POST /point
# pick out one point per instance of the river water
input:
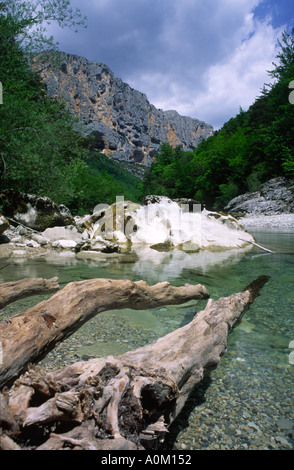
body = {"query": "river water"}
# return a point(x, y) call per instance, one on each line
point(247, 402)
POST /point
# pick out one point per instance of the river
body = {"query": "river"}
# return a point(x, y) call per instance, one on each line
point(247, 402)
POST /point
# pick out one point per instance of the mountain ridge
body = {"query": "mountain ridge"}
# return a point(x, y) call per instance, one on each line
point(124, 124)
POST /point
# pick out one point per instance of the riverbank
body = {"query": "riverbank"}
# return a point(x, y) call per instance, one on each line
point(250, 223)
point(277, 221)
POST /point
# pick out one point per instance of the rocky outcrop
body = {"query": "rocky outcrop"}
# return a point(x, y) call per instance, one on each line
point(35, 212)
point(274, 197)
point(123, 227)
point(124, 124)
point(4, 224)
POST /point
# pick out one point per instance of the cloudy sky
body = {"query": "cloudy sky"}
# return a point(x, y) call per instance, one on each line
point(203, 58)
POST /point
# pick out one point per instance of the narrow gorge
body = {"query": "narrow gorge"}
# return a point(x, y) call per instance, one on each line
point(122, 121)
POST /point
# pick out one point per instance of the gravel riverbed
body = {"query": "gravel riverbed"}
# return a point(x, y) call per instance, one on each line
point(247, 402)
point(276, 221)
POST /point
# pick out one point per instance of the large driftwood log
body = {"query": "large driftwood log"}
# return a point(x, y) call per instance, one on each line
point(16, 290)
point(28, 337)
point(122, 402)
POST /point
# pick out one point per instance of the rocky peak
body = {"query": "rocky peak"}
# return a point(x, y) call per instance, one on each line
point(123, 122)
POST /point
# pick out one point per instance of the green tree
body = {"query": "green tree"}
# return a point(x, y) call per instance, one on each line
point(32, 18)
point(252, 147)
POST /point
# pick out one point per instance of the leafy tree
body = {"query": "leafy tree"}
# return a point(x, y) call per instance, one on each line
point(42, 150)
point(32, 16)
point(285, 56)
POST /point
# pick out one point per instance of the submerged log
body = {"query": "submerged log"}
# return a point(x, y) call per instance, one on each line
point(28, 337)
point(16, 290)
point(122, 402)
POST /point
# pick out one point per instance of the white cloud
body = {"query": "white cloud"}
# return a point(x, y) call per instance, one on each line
point(204, 59)
point(237, 80)
point(216, 94)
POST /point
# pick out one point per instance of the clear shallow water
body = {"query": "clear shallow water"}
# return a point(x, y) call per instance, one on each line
point(248, 401)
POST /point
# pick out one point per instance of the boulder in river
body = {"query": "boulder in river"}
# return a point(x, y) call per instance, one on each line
point(35, 212)
point(4, 224)
point(274, 197)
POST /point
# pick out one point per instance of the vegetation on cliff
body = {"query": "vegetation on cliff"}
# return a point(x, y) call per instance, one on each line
point(42, 150)
point(248, 150)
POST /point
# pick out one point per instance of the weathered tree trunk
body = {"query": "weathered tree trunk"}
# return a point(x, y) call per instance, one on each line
point(122, 402)
point(28, 337)
point(16, 290)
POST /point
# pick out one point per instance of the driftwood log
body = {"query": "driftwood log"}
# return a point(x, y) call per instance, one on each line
point(28, 337)
point(123, 402)
point(16, 290)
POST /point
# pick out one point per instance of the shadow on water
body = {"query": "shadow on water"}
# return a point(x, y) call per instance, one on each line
point(196, 399)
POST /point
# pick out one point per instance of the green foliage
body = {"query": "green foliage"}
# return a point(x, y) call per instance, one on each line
point(251, 148)
point(32, 16)
point(42, 151)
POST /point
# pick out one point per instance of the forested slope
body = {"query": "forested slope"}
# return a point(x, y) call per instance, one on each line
point(248, 150)
point(42, 149)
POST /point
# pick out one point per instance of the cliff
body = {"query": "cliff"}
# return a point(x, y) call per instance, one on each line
point(123, 122)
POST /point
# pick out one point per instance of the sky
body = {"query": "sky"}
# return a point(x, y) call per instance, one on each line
point(202, 58)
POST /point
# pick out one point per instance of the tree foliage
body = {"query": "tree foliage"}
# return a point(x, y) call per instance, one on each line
point(42, 149)
point(32, 17)
point(249, 149)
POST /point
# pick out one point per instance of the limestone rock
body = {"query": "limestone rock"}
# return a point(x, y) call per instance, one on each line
point(97, 245)
point(122, 121)
point(274, 197)
point(53, 234)
point(4, 224)
point(35, 212)
point(116, 222)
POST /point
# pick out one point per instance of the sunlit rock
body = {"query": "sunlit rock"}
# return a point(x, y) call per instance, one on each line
point(163, 221)
point(62, 233)
point(115, 222)
point(122, 122)
point(273, 197)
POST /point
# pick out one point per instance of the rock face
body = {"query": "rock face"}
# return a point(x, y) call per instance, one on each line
point(35, 212)
point(274, 197)
point(122, 121)
point(4, 224)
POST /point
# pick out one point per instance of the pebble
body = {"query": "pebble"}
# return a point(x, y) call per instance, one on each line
point(244, 410)
point(283, 423)
point(281, 440)
point(267, 221)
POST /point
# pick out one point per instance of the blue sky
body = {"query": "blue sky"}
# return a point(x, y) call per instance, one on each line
point(203, 58)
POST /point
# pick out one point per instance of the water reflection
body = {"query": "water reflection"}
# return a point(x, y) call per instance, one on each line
point(251, 390)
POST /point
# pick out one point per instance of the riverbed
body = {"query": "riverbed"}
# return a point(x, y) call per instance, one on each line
point(247, 402)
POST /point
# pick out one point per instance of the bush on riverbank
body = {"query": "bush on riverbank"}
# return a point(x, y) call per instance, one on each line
point(42, 148)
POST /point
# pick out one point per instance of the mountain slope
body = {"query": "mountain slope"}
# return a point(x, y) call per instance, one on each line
point(122, 121)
